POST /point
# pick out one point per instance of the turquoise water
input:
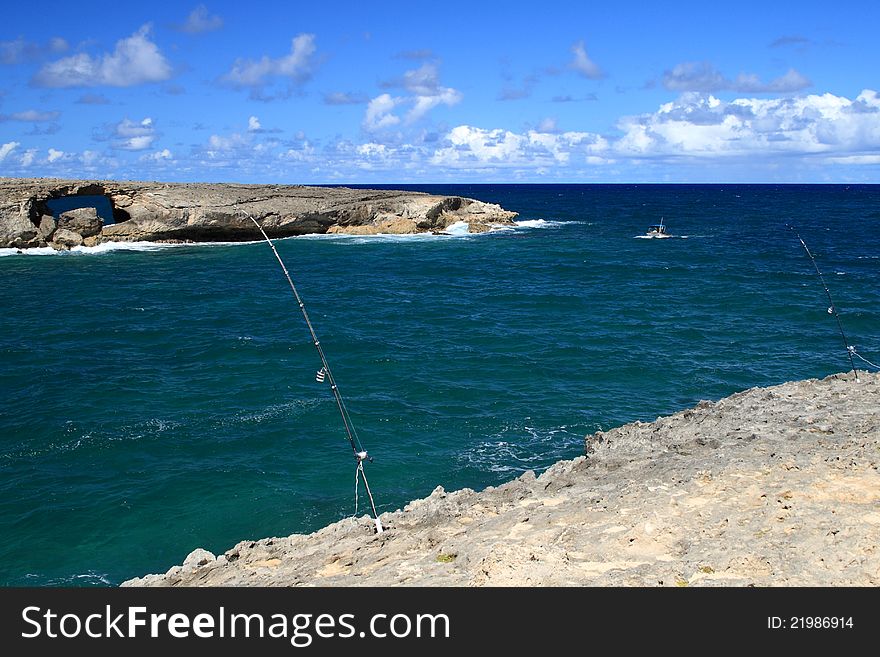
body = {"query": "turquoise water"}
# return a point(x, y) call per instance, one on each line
point(154, 401)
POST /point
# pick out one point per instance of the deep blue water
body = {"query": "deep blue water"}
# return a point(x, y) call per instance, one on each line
point(100, 203)
point(160, 400)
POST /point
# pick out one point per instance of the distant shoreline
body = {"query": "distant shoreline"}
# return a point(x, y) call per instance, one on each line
point(198, 212)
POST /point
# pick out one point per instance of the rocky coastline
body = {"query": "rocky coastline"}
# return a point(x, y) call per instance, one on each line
point(205, 212)
point(773, 486)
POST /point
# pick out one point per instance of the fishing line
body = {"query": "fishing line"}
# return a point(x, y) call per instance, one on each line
point(850, 350)
point(360, 454)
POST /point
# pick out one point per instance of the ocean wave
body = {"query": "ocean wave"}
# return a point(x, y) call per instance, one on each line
point(668, 237)
point(377, 237)
point(90, 578)
point(517, 449)
point(109, 247)
point(459, 229)
point(542, 223)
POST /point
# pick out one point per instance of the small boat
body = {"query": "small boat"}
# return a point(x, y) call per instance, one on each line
point(657, 231)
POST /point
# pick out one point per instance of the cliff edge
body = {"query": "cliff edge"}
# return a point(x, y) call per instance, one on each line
point(769, 487)
point(202, 212)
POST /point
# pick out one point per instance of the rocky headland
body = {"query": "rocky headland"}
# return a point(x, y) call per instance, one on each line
point(771, 486)
point(202, 212)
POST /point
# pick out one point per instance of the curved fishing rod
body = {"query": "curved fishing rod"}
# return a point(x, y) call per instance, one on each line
point(831, 308)
point(360, 454)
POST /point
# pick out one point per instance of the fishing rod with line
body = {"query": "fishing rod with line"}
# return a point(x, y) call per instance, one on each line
point(832, 309)
point(360, 454)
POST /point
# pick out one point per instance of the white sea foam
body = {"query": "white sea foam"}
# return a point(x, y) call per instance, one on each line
point(376, 237)
point(91, 577)
point(89, 250)
point(458, 228)
point(541, 223)
point(514, 450)
point(40, 251)
point(108, 247)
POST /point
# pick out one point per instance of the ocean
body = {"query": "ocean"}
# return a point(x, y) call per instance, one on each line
point(156, 399)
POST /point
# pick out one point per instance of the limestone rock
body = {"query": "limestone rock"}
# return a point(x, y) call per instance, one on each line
point(47, 226)
point(742, 492)
point(66, 239)
point(196, 558)
point(84, 221)
point(218, 212)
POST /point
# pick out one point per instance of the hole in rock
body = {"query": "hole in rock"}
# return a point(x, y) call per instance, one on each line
point(99, 202)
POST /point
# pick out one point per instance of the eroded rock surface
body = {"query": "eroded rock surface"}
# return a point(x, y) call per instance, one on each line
point(201, 212)
point(771, 486)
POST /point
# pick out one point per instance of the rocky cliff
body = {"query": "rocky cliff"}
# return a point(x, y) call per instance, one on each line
point(149, 211)
point(768, 487)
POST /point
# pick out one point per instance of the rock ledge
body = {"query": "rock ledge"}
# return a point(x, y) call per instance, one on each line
point(771, 486)
point(202, 212)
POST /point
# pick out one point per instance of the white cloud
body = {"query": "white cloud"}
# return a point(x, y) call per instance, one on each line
point(371, 149)
point(424, 104)
point(138, 143)
point(54, 155)
point(30, 116)
point(7, 148)
point(426, 93)
point(702, 76)
point(823, 128)
point(135, 60)
point(704, 126)
point(424, 84)
point(29, 156)
point(200, 20)
point(296, 66)
point(483, 146)
point(301, 154)
point(158, 156)
point(378, 115)
point(423, 81)
point(467, 146)
point(254, 124)
point(218, 144)
point(583, 64)
point(134, 135)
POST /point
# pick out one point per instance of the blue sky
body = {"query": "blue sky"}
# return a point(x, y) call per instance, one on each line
point(392, 92)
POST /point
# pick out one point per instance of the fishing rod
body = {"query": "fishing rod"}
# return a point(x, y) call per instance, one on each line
point(832, 309)
point(360, 454)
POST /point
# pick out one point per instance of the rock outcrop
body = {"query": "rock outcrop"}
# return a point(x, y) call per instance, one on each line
point(201, 212)
point(84, 221)
point(768, 487)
